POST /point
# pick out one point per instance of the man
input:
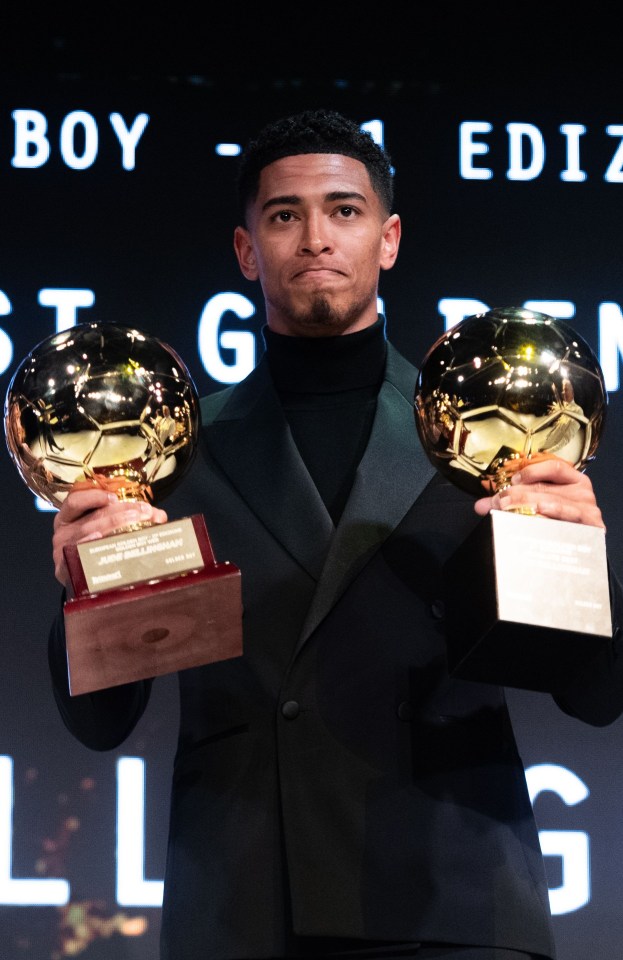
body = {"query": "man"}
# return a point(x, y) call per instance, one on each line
point(335, 792)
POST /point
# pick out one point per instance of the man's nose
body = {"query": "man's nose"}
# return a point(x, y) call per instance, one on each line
point(315, 239)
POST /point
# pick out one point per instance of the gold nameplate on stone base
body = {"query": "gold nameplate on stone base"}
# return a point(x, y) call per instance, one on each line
point(527, 601)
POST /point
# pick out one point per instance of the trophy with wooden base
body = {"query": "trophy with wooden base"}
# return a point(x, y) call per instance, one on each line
point(527, 600)
point(106, 405)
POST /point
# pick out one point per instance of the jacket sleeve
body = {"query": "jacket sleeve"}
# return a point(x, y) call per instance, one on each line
point(596, 696)
point(100, 720)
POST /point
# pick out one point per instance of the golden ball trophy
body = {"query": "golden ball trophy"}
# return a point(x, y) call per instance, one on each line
point(106, 405)
point(527, 597)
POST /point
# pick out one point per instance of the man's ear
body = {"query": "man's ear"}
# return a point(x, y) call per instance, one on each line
point(390, 241)
point(245, 253)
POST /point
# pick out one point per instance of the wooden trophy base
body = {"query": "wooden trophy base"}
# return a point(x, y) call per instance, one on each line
point(527, 602)
point(156, 621)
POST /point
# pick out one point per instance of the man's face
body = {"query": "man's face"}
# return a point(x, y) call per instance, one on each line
point(316, 239)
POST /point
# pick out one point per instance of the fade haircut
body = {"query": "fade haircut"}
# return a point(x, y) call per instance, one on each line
point(313, 131)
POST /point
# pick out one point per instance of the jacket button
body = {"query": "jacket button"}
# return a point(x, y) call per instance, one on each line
point(290, 709)
point(437, 609)
point(405, 711)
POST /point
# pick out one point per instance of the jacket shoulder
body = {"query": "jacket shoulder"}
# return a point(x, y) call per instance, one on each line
point(212, 404)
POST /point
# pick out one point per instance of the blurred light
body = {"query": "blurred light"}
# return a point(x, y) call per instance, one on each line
point(228, 149)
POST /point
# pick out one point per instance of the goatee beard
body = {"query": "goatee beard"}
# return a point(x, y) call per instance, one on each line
point(321, 318)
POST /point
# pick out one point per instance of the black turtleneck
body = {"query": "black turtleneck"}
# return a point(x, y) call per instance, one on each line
point(328, 388)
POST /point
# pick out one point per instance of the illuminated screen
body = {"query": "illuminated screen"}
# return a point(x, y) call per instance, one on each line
point(118, 204)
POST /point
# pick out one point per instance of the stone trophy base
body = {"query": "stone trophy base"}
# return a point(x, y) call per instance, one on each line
point(527, 602)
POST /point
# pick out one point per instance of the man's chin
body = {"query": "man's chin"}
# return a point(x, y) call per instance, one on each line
point(320, 317)
point(324, 326)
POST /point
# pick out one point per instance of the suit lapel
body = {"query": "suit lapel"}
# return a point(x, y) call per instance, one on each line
point(393, 472)
point(247, 433)
point(251, 440)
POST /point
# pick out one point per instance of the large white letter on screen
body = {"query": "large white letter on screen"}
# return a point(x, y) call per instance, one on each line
point(133, 890)
point(67, 303)
point(455, 309)
point(32, 147)
point(518, 133)
point(128, 138)
point(573, 171)
point(242, 342)
point(6, 344)
point(68, 140)
point(610, 343)
point(468, 149)
point(614, 173)
point(572, 846)
point(22, 892)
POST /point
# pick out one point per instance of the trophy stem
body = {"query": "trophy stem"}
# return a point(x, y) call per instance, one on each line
point(118, 482)
point(124, 488)
point(524, 509)
point(502, 481)
point(505, 470)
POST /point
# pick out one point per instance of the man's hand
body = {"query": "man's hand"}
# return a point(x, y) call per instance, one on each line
point(553, 488)
point(92, 514)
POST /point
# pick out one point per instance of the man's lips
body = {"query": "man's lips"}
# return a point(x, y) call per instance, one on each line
point(317, 273)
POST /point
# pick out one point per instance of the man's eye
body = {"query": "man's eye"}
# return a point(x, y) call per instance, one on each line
point(284, 215)
point(347, 211)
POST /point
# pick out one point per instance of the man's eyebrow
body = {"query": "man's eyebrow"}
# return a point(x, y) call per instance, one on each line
point(287, 200)
point(345, 195)
point(293, 200)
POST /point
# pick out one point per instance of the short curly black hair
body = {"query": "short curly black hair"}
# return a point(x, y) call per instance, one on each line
point(313, 131)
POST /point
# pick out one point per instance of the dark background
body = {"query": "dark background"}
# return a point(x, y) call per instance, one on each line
point(154, 244)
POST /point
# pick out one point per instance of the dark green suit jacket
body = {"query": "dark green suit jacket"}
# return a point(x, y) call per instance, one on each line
point(334, 779)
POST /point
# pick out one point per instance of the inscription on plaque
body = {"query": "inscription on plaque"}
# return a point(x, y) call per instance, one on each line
point(140, 556)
